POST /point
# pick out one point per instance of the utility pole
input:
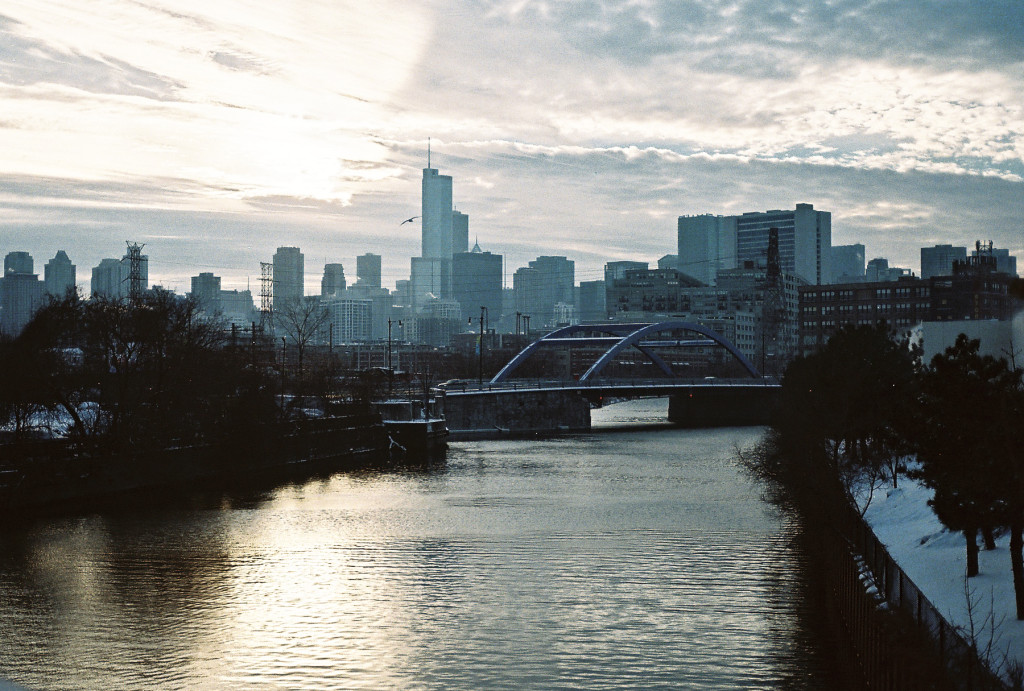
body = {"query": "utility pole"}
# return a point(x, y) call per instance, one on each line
point(391, 369)
point(480, 347)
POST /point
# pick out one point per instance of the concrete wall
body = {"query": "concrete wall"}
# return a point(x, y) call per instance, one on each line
point(486, 414)
point(721, 406)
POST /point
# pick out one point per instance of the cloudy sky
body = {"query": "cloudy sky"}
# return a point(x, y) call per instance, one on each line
point(214, 131)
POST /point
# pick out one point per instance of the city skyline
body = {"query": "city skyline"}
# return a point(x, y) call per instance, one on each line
point(205, 132)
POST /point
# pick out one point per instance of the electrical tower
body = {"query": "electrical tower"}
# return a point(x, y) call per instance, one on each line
point(134, 272)
point(266, 297)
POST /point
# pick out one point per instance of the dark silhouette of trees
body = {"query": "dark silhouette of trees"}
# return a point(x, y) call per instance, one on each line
point(146, 374)
point(969, 448)
point(850, 403)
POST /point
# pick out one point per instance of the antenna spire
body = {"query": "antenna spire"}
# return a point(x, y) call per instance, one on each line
point(428, 152)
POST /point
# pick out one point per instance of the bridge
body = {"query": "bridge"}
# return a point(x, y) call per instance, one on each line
point(511, 404)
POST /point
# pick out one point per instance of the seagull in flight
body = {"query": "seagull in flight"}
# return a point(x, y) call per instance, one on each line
point(408, 220)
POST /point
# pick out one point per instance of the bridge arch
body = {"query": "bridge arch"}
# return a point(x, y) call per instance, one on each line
point(622, 336)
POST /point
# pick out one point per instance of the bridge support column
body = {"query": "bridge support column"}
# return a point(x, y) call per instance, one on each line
point(722, 406)
point(480, 415)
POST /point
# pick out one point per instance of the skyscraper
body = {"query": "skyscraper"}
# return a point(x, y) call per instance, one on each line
point(21, 293)
point(460, 232)
point(108, 279)
point(706, 245)
point(206, 292)
point(289, 275)
point(540, 286)
point(805, 241)
point(848, 263)
point(368, 270)
point(476, 282)
point(436, 214)
point(18, 263)
point(938, 260)
point(59, 275)
point(333, 282)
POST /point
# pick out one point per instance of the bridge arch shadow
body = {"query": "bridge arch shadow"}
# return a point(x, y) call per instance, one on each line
point(618, 338)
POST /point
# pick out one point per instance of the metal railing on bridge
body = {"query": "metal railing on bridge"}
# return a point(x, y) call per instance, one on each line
point(654, 385)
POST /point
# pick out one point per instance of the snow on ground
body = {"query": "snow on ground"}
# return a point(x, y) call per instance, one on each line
point(936, 560)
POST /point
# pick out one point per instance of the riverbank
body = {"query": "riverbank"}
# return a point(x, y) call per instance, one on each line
point(935, 559)
point(54, 476)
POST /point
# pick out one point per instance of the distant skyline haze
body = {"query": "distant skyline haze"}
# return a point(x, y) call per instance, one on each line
point(217, 131)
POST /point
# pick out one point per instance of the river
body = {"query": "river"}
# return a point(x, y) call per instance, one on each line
point(627, 557)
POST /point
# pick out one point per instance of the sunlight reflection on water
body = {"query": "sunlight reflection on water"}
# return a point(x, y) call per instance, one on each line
point(610, 560)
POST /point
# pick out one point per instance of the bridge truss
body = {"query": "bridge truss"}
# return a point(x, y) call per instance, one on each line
point(621, 337)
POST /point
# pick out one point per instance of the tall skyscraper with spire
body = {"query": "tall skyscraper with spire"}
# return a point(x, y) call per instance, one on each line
point(432, 271)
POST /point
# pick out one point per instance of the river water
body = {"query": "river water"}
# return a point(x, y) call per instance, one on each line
point(622, 558)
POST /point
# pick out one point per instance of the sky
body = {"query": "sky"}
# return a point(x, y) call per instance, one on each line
point(215, 131)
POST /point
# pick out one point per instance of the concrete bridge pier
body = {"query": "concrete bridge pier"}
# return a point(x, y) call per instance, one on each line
point(490, 414)
point(722, 406)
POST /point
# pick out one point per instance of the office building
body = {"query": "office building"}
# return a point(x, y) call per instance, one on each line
point(938, 260)
point(21, 293)
point(350, 319)
point(206, 292)
point(289, 275)
point(108, 280)
point(538, 287)
point(460, 232)
point(878, 270)
point(18, 263)
point(476, 282)
point(58, 275)
point(847, 263)
point(333, 281)
point(591, 303)
point(436, 214)
point(368, 270)
point(707, 245)
point(805, 241)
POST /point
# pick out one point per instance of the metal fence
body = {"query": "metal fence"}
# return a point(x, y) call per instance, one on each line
point(888, 586)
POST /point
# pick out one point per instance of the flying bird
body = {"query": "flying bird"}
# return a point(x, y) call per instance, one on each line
point(408, 220)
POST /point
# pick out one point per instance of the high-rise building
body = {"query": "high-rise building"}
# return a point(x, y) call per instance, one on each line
point(476, 282)
point(847, 263)
point(805, 241)
point(707, 245)
point(669, 261)
point(206, 292)
point(878, 269)
point(333, 281)
point(58, 275)
point(460, 232)
point(21, 293)
point(368, 270)
point(289, 275)
point(350, 319)
point(938, 260)
point(429, 279)
point(591, 304)
point(436, 214)
point(544, 283)
point(617, 270)
point(18, 263)
point(108, 279)
point(237, 307)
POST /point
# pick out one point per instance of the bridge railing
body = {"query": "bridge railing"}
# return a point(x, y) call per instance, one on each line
point(468, 386)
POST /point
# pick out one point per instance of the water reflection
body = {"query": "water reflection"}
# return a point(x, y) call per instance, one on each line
point(613, 560)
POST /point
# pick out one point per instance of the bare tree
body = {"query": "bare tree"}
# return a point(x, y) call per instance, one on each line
point(302, 321)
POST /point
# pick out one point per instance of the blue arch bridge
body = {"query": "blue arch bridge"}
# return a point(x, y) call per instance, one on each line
point(510, 403)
